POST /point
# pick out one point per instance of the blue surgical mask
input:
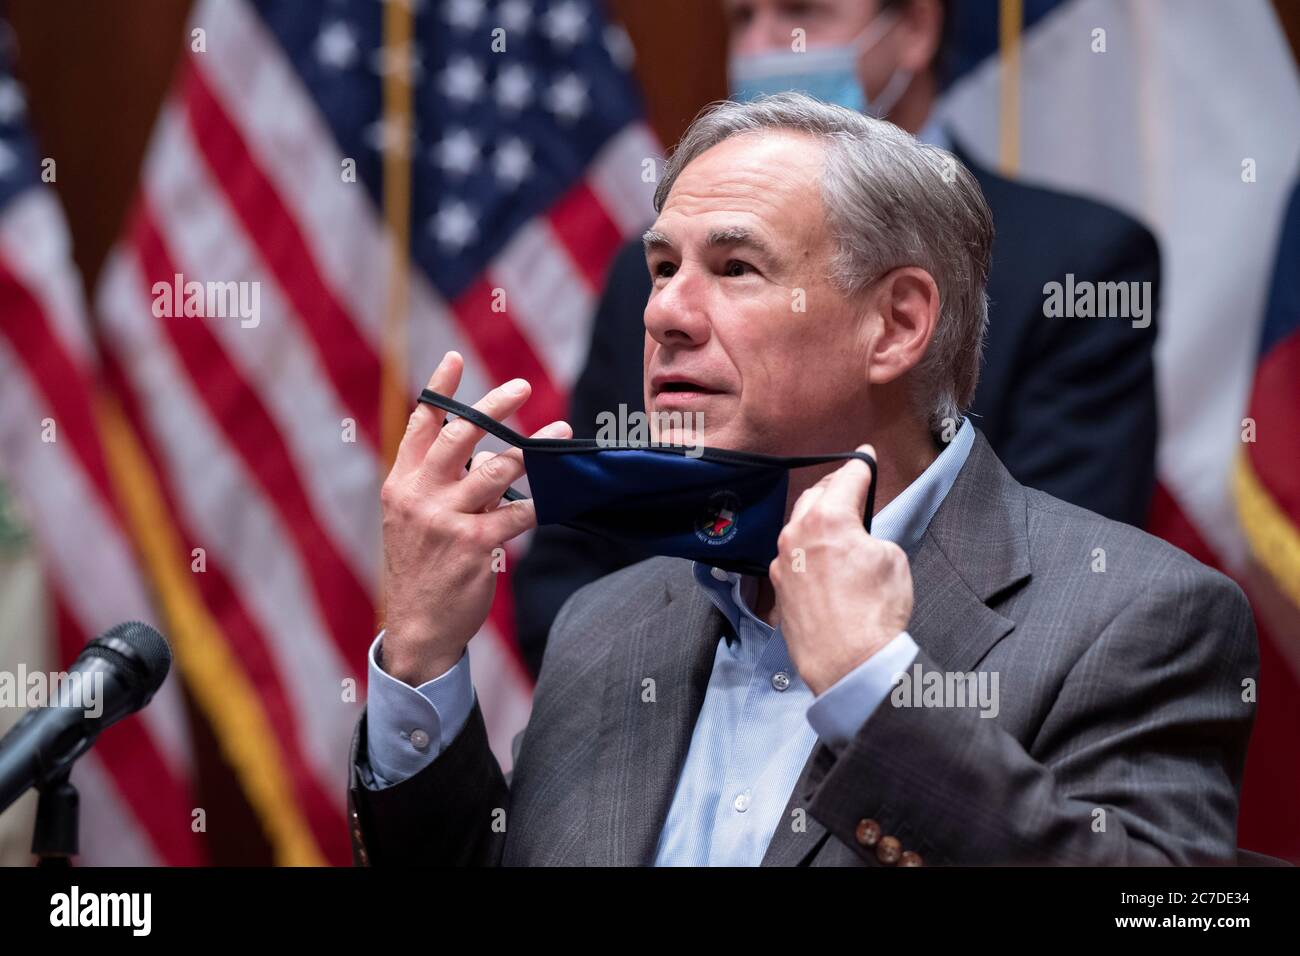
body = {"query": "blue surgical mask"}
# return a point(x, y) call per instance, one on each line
point(829, 73)
point(724, 508)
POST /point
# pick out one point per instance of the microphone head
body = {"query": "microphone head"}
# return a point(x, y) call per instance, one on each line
point(142, 649)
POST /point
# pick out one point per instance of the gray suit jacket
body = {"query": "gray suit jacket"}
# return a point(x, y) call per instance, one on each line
point(1119, 739)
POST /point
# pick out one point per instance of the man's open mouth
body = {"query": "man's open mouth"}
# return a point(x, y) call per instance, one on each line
point(681, 386)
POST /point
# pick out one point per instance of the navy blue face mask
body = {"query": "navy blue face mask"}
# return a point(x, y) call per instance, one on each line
point(723, 508)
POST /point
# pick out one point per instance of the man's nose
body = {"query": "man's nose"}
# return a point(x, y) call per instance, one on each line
point(676, 315)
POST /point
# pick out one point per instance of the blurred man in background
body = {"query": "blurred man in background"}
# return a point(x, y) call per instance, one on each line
point(1068, 403)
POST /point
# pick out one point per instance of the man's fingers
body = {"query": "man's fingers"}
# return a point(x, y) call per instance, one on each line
point(849, 483)
point(510, 520)
point(425, 421)
point(488, 478)
point(480, 457)
point(445, 459)
point(807, 500)
point(490, 475)
point(554, 430)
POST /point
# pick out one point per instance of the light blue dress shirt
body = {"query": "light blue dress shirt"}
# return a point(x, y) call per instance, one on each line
point(755, 730)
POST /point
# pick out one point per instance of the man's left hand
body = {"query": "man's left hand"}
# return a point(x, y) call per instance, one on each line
point(842, 594)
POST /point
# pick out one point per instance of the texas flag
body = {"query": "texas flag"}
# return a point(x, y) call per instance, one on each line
point(1184, 115)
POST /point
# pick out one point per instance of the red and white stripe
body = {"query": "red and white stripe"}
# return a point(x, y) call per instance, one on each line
point(135, 784)
point(244, 425)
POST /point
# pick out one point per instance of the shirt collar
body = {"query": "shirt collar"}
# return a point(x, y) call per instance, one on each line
point(902, 521)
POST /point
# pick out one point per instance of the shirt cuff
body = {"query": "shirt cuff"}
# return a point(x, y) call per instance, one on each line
point(407, 727)
point(840, 711)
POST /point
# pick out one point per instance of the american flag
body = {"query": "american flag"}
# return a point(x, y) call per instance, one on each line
point(259, 443)
point(136, 800)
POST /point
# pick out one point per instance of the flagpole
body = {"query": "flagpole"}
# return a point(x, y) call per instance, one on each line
point(398, 142)
point(1010, 20)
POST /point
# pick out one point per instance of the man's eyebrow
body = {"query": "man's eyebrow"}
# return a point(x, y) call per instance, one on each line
point(652, 239)
point(738, 236)
point(727, 236)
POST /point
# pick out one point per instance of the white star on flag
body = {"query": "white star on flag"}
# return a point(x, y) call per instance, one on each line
point(567, 98)
point(566, 23)
point(336, 46)
point(8, 159)
point(454, 226)
point(462, 80)
point(515, 16)
point(458, 152)
point(12, 102)
point(465, 14)
point(619, 46)
point(514, 89)
point(512, 162)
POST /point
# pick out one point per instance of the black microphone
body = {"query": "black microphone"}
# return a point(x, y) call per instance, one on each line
point(131, 660)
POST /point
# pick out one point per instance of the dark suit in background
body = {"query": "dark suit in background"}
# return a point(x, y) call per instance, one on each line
point(1068, 404)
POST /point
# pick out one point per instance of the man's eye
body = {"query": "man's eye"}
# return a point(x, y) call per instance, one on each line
point(735, 267)
point(664, 270)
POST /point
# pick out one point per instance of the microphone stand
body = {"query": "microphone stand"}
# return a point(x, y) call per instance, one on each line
point(54, 839)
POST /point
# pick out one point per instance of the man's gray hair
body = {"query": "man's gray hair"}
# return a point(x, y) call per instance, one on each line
point(891, 201)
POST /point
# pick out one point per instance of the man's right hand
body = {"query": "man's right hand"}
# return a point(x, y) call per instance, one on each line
point(441, 526)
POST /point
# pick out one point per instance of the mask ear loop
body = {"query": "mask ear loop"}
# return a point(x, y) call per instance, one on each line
point(478, 419)
point(875, 31)
point(871, 489)
point(474, 417)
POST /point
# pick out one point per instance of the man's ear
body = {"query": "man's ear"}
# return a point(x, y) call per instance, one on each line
point(907, 300)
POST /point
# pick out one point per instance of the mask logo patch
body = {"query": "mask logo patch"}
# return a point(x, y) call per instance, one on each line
point(718, 524)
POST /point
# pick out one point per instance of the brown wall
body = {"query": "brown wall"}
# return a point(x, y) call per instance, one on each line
point(680, 61)
point(95, 72)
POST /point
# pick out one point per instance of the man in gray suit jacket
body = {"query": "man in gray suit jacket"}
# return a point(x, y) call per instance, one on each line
point(989, 676)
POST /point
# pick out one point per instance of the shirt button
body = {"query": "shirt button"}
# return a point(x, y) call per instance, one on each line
point(910, 858)
point(742, 801)
point(780, 680)
point(867, 832)
point(718, 574)
point(419, 740)
point(889, 850)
